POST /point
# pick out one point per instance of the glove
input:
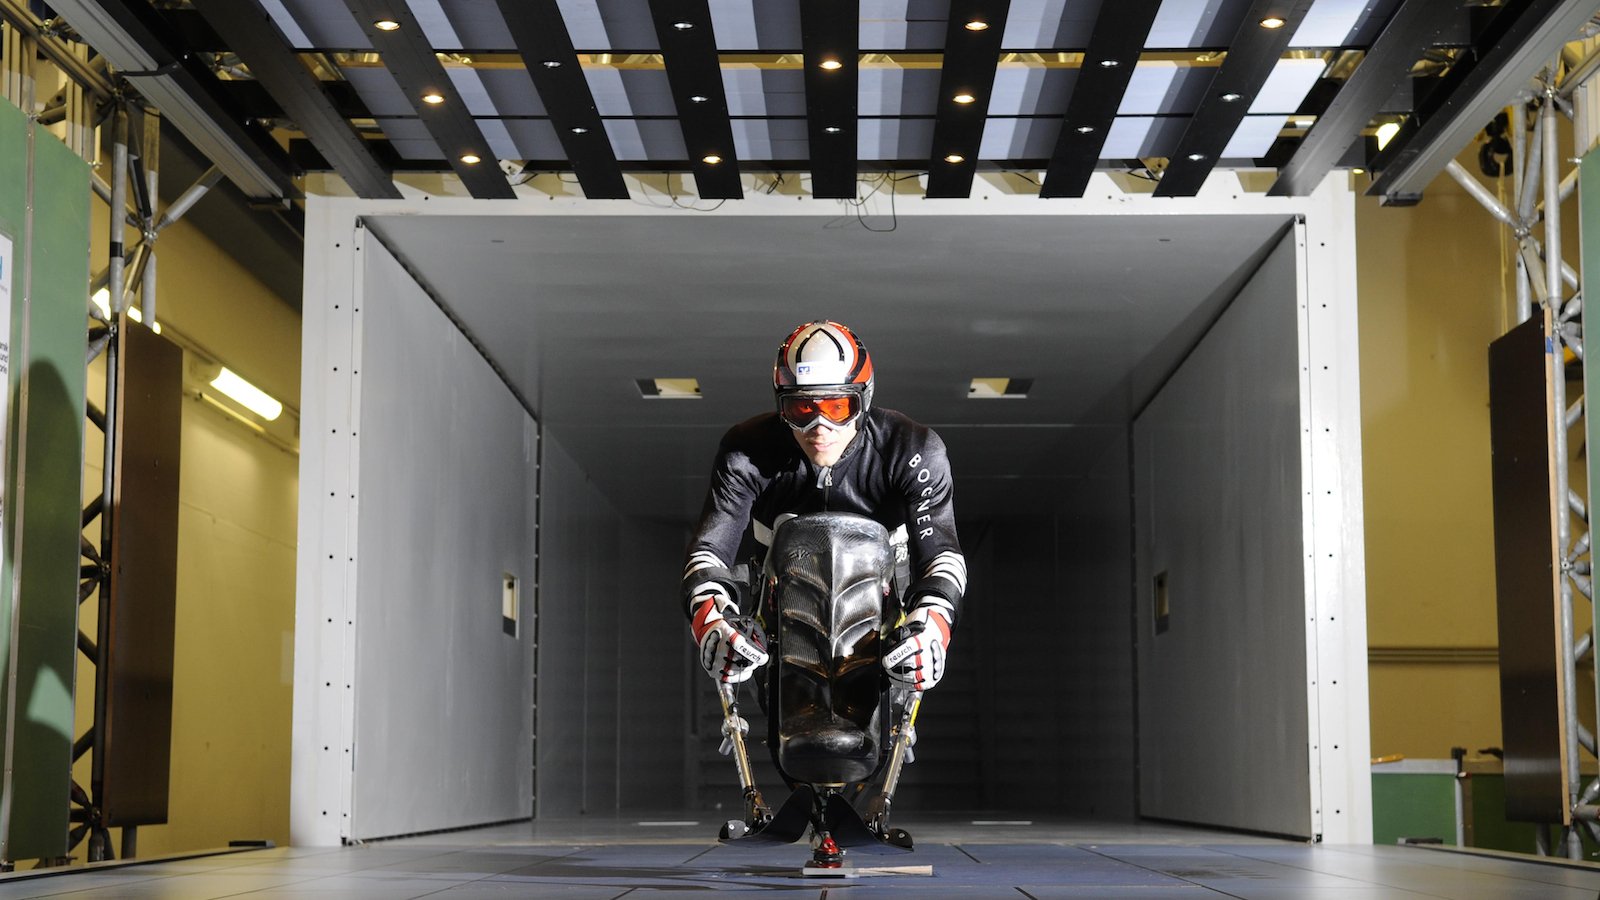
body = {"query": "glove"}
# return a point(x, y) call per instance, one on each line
point(916, 658)
point(726, 654)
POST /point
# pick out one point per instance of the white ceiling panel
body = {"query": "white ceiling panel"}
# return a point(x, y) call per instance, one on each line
point(764, 92)
point(894, 139)
point(477, 24)
point(1051, 24)
point(378, 91)
point(328, 25)
point(1150, 88)
point(1329, 23)
point(889, 91)
point(535, 139)
point(1286, 88)
point(1011, 138)
point(1254, 137)
point(435, 24)
point(769, 139)
point(501, 143)
point(640, 140)
point(286, 23)
point(1137, 137)
point(630, 92)
point(410, 138)
point(511, 91)
point(469, 86)
point(734, 24)
point(1020, 90)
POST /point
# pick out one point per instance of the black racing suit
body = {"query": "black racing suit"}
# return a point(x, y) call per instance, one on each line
point(895, 471)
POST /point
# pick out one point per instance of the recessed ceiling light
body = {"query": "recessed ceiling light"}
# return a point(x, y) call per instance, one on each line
point(1358, 171)
point(999, 388)
point(1273, 22)
point(683, 26)
point(386, 25)
point(699, 98)
point(433, 97)
point(977, 25)
point(470, 159)
point(833, 129)
point(955, 158)
point(579, 129)
point(668, 388)
point(551, 64)
point(963, 98)
point(1109, 63)
point(831, 64)
point(711, 159)
point(1196, 157)
point(1386, 133)
point(1231, 97)
point(1085, 129)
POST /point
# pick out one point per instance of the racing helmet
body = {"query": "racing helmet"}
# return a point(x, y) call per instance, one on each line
point(823, 375)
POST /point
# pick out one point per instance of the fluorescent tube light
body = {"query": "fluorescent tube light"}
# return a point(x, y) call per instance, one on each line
point(247, 395)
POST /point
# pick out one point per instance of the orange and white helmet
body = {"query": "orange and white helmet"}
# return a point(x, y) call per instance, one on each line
point(817, 363)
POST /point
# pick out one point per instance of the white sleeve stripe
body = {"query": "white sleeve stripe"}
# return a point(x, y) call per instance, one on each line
point(702, 559)
point(951, 566)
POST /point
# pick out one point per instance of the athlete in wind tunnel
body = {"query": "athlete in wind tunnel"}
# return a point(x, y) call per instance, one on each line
point(827, 448)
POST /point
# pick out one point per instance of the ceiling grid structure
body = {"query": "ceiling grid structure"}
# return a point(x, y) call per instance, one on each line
point(731, 90)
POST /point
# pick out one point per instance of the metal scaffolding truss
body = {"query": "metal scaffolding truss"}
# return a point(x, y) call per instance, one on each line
point(1548, 286)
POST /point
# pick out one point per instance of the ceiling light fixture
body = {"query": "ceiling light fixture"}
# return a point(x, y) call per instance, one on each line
point(551, 64)
point(1196, 157)
point(711, 159)
point(386, 25)
point(1231, 97)
point(1085, 129)
point(964, 98)
point(833, 129)
point(471, 159)
point(579, 129)
point(683, 26)
point(831, 64)
point(699, 98)
point(977, 25)
point(1386, 133)
point(433, 97)
point(955, 158)
point(247, 395)
point(1109, 63)
point(1273, 22)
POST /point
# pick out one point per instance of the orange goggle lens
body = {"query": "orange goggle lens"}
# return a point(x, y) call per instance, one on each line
point(802, 411)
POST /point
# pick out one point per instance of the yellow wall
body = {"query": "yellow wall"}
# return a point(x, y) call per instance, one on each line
point(1435, 290)
point(233, 664)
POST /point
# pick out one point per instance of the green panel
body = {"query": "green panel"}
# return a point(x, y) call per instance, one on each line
point(1489, 826)
point(47, 363)
point(1413, 805)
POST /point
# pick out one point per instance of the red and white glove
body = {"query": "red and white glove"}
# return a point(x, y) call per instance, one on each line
point(917, 659)
point(726, 654)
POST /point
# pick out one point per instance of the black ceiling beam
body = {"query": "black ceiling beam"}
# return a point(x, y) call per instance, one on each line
point(1120, 32)
point(546, 47)
point(251, 33)
point(830, 32)
point(1411, 30)
point(1252, 54)
point(1515, 43)
point(694, 72)
point(970, 58)
point(410, 59)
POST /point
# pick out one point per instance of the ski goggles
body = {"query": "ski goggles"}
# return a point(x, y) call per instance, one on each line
point(804, 412)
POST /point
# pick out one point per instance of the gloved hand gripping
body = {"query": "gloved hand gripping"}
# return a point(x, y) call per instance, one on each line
point(727, 654)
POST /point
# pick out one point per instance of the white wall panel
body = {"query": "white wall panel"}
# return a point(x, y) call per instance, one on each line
point(443, 722)
point(1225, 730)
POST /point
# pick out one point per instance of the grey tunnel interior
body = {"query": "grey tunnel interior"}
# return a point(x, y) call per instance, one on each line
point(1038, 711)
